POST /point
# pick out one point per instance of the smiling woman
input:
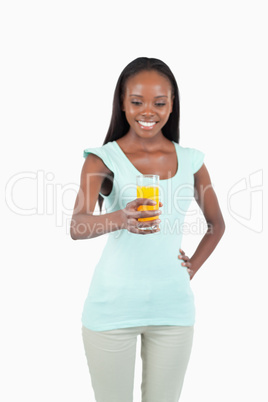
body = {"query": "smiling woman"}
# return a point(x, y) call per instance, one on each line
point(141, 284)
point(148, 101)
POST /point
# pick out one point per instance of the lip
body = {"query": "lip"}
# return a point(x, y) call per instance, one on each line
point(147, 121)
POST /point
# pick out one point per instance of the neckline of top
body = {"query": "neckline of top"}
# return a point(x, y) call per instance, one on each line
point(137, 171)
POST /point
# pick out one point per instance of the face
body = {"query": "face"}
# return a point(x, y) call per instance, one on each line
point(147, 103)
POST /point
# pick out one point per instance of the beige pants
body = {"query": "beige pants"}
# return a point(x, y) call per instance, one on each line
point(165, 353)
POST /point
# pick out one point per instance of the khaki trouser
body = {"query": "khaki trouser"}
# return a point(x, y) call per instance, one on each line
point(165, 353)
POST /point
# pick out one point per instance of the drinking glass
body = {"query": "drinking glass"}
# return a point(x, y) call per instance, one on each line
point(148, 187)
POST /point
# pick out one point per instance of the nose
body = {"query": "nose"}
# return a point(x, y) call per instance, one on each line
point(147, 111)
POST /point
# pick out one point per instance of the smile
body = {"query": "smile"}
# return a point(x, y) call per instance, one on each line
point(147, 123)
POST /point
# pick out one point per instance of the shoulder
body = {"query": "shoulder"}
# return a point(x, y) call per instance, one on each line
point(97, 159)
point(194, 156)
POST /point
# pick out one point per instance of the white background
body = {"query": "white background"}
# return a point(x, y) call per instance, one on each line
point(60, 63)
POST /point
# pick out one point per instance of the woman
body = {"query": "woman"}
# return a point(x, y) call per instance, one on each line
point(141, 284)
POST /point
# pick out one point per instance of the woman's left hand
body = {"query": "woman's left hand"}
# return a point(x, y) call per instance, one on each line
point(186, 263)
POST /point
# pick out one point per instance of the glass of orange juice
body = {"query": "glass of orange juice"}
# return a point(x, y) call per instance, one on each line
point(148, 187)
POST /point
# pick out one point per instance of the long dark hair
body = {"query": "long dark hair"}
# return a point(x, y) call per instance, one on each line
point(119, 125)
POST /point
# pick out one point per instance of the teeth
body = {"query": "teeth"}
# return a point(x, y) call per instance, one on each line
point(146, 123)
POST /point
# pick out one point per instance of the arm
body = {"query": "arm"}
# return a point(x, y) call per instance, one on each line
point(207, 201)
point(85, 225)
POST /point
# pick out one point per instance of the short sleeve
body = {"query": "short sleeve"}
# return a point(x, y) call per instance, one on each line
point(102, 153)
point(197, 159)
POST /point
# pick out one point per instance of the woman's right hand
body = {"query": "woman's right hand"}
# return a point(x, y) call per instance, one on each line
point(131, 215)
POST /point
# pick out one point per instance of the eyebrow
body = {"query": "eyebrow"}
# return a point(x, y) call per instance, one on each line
point(160, 96)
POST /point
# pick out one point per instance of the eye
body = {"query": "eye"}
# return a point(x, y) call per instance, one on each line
point(136, 103)
point(160, 104)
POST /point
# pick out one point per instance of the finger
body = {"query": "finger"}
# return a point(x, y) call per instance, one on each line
point(190, 272)
point(148, 214)
point(160, 204)
point(183, 257)
point(133, 229)
point(144, 214)
point(132, 222)
point(186, 264)
point(144, 224)
point(137, 230)
point(144, 201)
point(147, 224)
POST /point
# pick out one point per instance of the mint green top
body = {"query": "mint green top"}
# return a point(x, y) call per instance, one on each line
point(139, 279)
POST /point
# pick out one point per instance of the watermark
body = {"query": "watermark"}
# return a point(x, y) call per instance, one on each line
point(245, 201)
point(88, 230)
point(47, 197)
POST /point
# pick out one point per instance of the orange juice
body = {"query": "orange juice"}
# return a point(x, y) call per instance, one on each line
point(151, 192)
